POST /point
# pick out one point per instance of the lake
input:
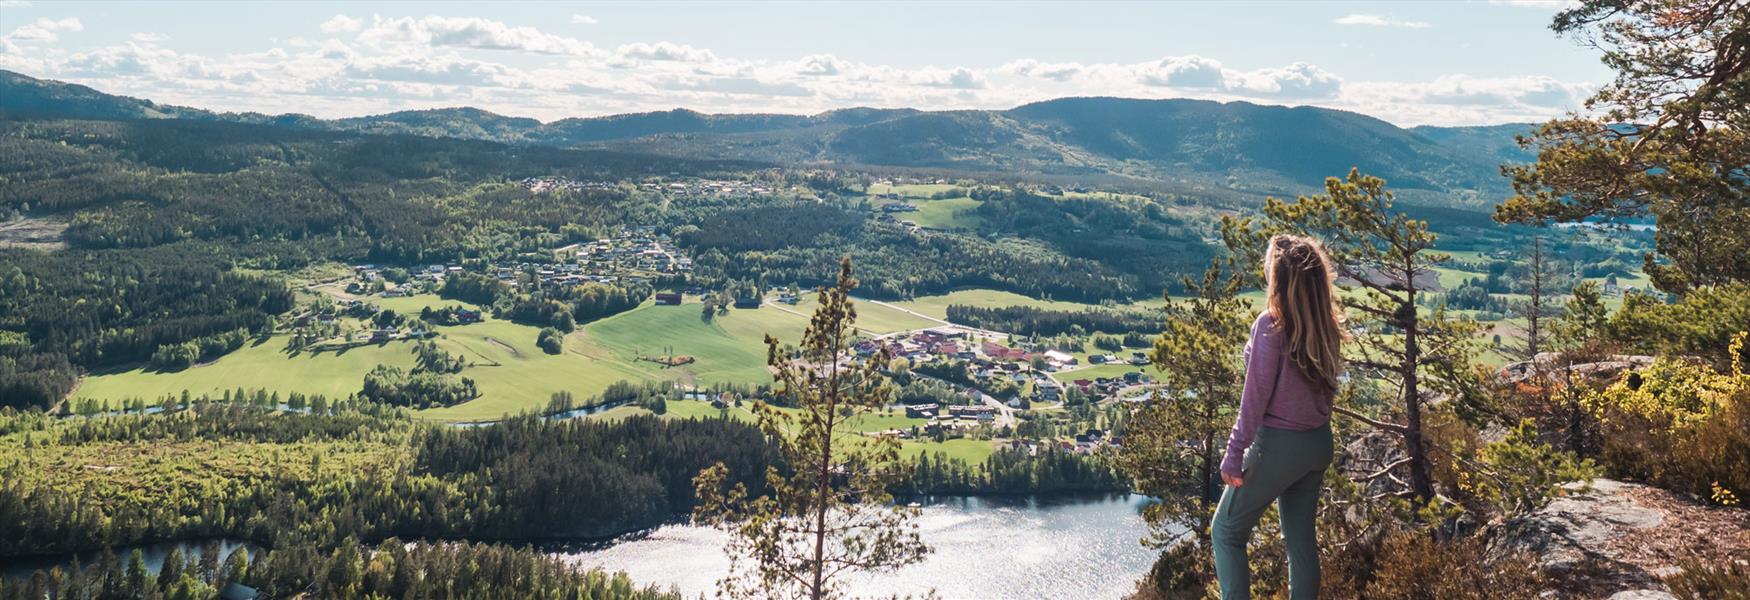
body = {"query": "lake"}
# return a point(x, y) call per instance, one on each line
point(1055, 547)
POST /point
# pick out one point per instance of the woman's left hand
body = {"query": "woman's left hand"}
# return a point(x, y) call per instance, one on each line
point(1231, 480)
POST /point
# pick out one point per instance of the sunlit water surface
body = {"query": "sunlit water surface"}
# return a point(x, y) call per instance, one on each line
point(984, 548)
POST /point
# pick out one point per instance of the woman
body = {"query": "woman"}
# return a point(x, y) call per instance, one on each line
point(1283, 431)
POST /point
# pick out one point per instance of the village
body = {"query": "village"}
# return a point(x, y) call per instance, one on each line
point(685, 187)
point(632, 256)
point(999, 380)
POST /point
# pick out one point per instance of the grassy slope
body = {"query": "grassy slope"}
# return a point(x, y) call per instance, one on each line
point(511, 372)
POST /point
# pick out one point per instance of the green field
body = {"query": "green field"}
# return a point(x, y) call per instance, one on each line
point(872, 318)
point(511, 372)
point(1098, 371)
point(937, 306)
point(972, 451)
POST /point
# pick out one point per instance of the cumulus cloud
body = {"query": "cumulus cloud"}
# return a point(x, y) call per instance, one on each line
point(960, 78)
point(822, 65)
point(341, 24)
point(583, 20)
point(469, 32)
point(381, 64)
point(45, 30)
point(664, 51)
point(147, 37)
point(1028, 67)
point(1299, 81)
point(1379, 21)
point(1189, 72)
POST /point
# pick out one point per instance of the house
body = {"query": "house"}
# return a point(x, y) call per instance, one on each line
point(980, 411)
point(668, 298)
point(1059, 358)
point(922, 411)
point(464, 315)
point(747, 302)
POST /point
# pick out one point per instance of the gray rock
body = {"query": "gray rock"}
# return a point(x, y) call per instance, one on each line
point(1571, 540)
point(1642, 595)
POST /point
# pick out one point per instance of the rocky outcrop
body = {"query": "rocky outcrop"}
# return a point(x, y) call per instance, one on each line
point(1552, 366)
point(1618, 540)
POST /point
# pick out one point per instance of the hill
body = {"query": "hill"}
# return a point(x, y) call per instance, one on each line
point(1235, 145)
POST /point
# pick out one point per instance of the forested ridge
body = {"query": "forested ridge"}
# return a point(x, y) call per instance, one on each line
point(283, 479)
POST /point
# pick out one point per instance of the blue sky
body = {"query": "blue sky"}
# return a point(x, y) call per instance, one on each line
point(1407, 62)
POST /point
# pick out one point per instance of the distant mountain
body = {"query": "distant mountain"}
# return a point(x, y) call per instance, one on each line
point(24, 96)
point(1231, 145)
point(469, 123)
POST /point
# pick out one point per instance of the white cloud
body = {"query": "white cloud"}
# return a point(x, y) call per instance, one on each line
point(822, 65)
point(584, 20)
point(1189, 72)
point(14, 3)
point(44, 30)
point(1028, 67)
point(1299, 81)
point(425, 62)
point(470, 32)
point(1379, 21)
point(664, 51)
point(148, 37)
point(341, 24)
point(960, 78)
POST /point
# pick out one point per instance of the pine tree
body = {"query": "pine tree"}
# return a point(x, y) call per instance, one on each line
point(1417, 350)
point(828, 515)
point(1173, 445)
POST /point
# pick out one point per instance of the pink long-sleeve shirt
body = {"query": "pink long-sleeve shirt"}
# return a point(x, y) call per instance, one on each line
point(1276, 394)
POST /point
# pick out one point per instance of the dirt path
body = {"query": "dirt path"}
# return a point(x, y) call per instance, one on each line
point(507, 347)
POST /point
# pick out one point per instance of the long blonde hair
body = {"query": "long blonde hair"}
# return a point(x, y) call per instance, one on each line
point(1298, 278)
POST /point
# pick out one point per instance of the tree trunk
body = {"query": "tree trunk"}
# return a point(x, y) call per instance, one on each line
point(1421, 483)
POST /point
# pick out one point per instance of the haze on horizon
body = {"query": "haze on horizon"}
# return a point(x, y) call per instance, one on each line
point(1456, 63)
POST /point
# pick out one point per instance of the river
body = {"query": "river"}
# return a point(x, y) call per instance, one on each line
point(1084, 547)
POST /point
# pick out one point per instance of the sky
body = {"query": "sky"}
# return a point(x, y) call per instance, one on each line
point(1408, 62)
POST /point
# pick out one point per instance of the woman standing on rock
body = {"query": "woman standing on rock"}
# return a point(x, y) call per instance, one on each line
point(1281, 441)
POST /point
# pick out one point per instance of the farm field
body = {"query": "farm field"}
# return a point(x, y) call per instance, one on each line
point(512, 373)
point(257, 365)
point(937, 306)
point(872, 318)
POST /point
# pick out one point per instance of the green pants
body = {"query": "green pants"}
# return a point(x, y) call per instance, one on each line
point(1287, 467)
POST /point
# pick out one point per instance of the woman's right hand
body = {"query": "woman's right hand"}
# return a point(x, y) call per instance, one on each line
point(1232, 480)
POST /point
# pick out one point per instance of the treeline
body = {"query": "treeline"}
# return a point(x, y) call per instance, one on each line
point(420, 388)
point(559, 307)
point(1031, 321)
point(1013, 471)
point(369, 473)
point(392, 569)
point(1136, 237)
point(893, 262)
point(581, 478)
point(172, 357)
point(60, 311)
point(564, 307)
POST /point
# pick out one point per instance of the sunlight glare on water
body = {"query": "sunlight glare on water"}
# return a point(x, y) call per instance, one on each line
point(984, 548)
